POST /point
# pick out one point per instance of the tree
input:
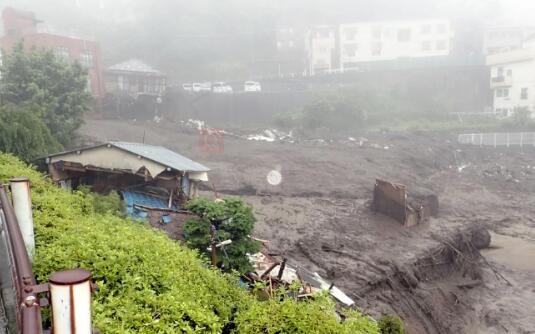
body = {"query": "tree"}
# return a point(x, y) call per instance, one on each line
point(343, 110)
point(235, 221)
point(24, 134)
point(55, 90)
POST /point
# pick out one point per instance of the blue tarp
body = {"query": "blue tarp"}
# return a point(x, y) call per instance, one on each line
point(132, 197)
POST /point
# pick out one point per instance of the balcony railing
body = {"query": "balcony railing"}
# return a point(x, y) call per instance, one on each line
point(501, 81)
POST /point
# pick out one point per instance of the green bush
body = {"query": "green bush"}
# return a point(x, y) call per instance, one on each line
point(238, 226)
point(391, 325)
point(110, 203)
point(147, 282)
point(290, 316)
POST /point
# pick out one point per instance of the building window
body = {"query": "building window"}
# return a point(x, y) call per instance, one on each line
point(509, 72)
point(291, 44)
point(425, 29)
point(442, 45)
point(377, 48)
point(524, 93)
point(502, 92)
point(499, 72)
point(279, 45)
point(350, 50)
point(426, 46)
point(441, 28)
point(62, 52)
point(404, 35)
point(86, 59)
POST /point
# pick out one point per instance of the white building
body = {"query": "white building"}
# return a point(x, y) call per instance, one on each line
point(504, 38)
point(512, 79)
point(345, 46)
point(321, 48)
point(390, 40)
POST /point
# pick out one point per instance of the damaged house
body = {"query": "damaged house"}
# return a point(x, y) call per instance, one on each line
point(409, 209)
point(153, 181)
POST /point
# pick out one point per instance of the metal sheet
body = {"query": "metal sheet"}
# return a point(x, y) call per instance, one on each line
point(131, 198)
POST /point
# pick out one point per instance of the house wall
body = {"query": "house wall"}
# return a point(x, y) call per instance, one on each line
point(500, 39)
point(321, 48)
point(18, 23)
point(110, 157)
point(509, 97)
point(512, 80)
point(134, 83)
point(389, 40)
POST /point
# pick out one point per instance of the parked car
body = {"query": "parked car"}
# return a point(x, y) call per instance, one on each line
point(187, 87)
point(206, 87)
point(221, 87)
point(196, 87)
point(252, 86)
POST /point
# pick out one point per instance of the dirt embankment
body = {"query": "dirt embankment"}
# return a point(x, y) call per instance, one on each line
point(319, 217)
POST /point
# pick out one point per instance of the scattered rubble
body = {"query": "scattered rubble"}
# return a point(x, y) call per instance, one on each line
point(279, 272)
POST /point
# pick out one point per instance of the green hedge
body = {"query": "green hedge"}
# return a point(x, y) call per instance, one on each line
point(147, 282)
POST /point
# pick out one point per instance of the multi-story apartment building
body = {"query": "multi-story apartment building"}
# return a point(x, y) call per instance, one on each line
point(512, 79)
point(345, 46)
point(23, 26)
point(502, 38)
point(390, 40)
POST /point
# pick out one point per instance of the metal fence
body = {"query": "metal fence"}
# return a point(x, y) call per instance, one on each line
point(68, 292)
point(498, 139)
point(27, 309)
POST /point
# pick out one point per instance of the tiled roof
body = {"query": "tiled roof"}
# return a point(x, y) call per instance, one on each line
point(134, 65)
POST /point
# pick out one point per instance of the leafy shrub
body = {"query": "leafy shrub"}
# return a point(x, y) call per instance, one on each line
point(110, 203)
point(391, 325)
point(238, 226)
point(290, 316)
point(150, 284)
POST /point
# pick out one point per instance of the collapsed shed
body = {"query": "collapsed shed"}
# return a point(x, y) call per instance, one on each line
point(393, 200)
point(149, 178)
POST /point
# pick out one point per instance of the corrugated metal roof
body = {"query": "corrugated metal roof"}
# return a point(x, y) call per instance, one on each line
point(134, 65)
point(162, 156)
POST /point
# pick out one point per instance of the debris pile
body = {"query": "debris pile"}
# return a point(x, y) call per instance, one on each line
point(278, 272)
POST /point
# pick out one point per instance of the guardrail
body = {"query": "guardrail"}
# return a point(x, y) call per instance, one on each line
point(68, 292)
point(27, 307)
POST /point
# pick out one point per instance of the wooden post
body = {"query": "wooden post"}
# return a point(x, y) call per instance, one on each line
point(281, 269)
point(212, 245)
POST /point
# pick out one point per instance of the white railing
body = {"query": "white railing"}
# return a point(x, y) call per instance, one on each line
point(498, 139)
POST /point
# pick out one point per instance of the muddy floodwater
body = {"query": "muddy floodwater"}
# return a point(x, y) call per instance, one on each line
point(319, 217)
point(513, 252)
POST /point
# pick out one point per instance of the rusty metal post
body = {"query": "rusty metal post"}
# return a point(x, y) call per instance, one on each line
point(28, 315)
point(22, 203)
point(70, 294)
